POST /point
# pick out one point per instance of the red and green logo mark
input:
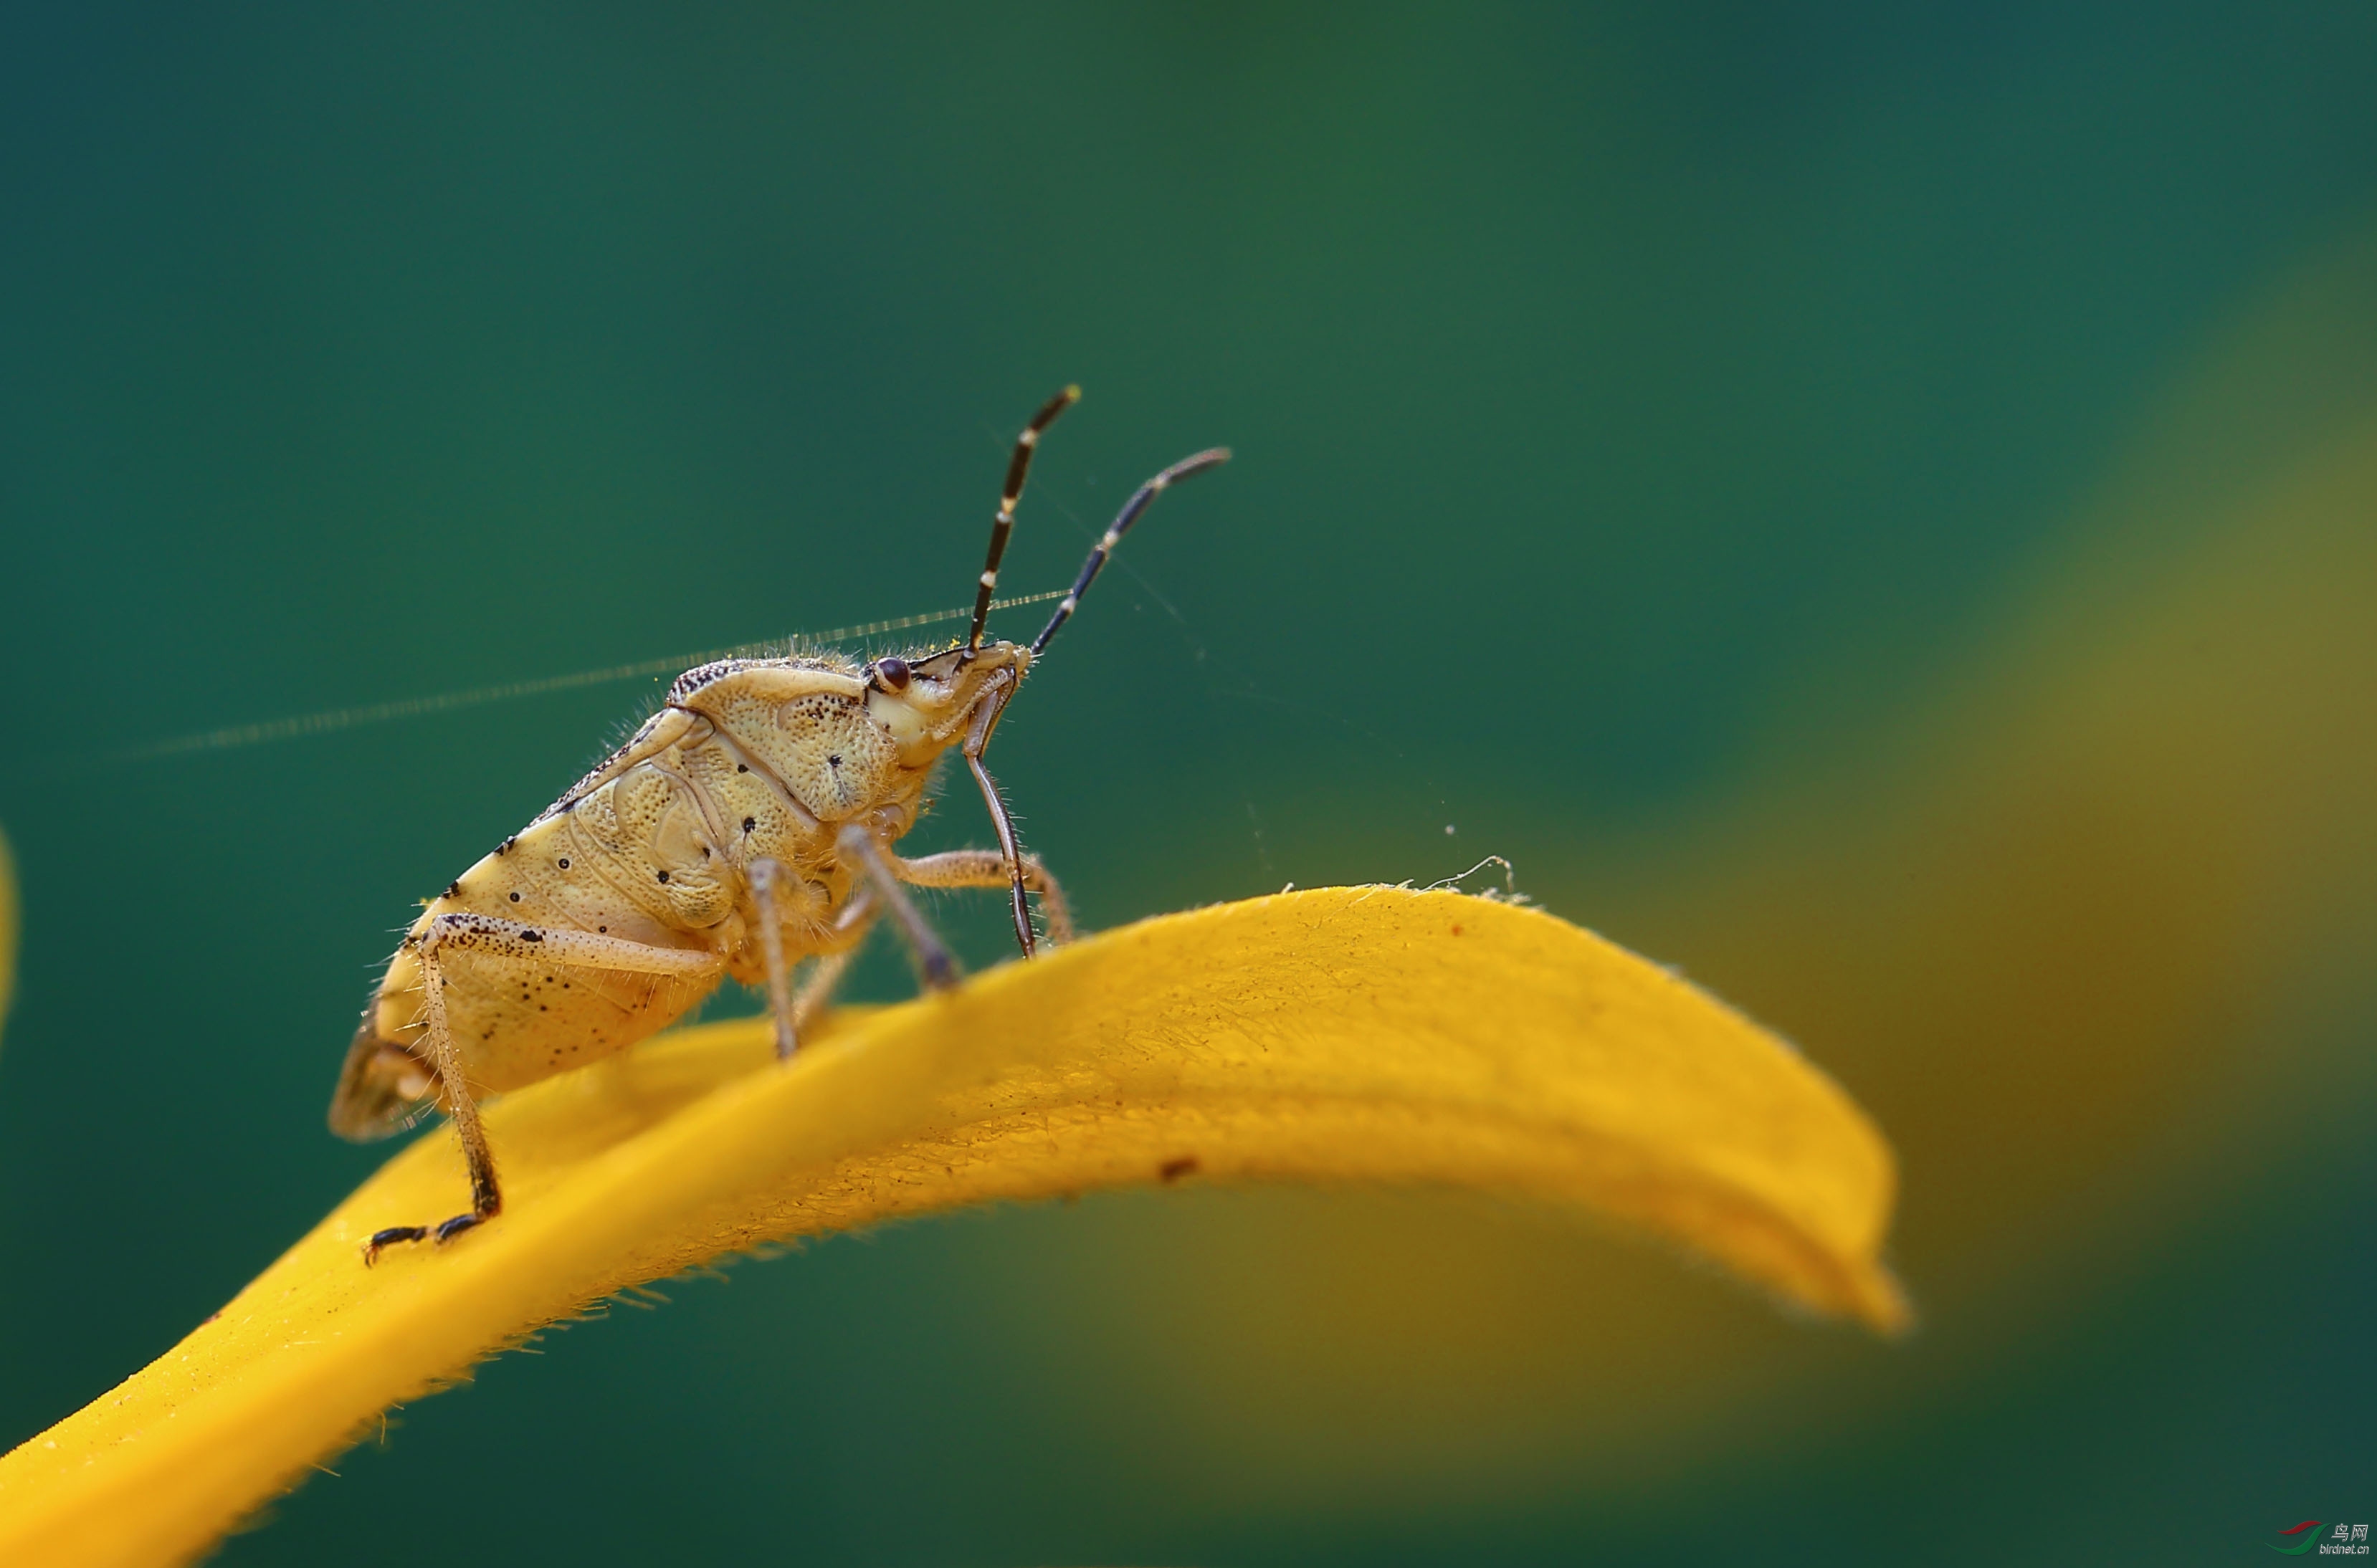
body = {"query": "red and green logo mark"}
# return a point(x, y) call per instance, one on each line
point(2345, 1540)
point(2306, 1535)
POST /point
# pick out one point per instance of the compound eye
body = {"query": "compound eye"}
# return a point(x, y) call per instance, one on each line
point(891, 674)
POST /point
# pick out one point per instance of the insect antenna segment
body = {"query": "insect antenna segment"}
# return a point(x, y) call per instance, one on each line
point(1140, 501)
point(1003, 525)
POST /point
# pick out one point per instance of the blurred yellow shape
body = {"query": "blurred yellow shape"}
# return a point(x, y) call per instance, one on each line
point(1342, 1034)
point(2083, 912)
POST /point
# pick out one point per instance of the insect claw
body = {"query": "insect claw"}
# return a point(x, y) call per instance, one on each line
point(389, 1238)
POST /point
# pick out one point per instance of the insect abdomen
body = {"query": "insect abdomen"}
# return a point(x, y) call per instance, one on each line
point(516, 1020)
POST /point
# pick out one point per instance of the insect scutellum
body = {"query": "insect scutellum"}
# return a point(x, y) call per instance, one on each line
point(747, 825)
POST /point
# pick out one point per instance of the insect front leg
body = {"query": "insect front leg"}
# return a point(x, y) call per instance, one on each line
point(985, 720)
point(487, 934)
point(881, 867)
point(987, 868)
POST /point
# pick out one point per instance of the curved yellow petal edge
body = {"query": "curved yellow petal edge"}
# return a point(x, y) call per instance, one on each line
point(1337, 1035)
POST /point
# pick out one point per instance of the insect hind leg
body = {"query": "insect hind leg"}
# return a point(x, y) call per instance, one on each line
point(511, 938)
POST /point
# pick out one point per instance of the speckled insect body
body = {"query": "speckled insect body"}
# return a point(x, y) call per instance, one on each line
point(747, 825)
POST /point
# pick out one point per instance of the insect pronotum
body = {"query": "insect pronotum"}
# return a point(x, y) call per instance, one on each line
point(749, 825)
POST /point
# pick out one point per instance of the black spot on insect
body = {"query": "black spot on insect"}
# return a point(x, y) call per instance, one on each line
point(506, 847)
point(564, 863)
point(531, 936)
point(663, 876)
point(834, 761)
point(749, 822)
point(515, 898)
point(454, 889)
point(602, 930)
point(742, 767)
point(1173, 1170)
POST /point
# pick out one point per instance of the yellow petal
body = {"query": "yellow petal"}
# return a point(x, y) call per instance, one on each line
point(2084, 920)
point(1342, 1034)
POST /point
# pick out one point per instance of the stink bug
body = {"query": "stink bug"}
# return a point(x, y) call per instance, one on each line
point(747, 825)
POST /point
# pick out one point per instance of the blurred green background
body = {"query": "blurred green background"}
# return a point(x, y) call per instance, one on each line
point(1876, 504)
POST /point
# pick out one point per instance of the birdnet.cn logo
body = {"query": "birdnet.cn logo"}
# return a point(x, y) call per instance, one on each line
point(2333, 1540)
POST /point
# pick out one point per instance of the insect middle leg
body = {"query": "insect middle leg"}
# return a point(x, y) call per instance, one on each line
point(987, 868)
point(485, 933)
point(792, 1012)
point(881, 867)
point(765, 874)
